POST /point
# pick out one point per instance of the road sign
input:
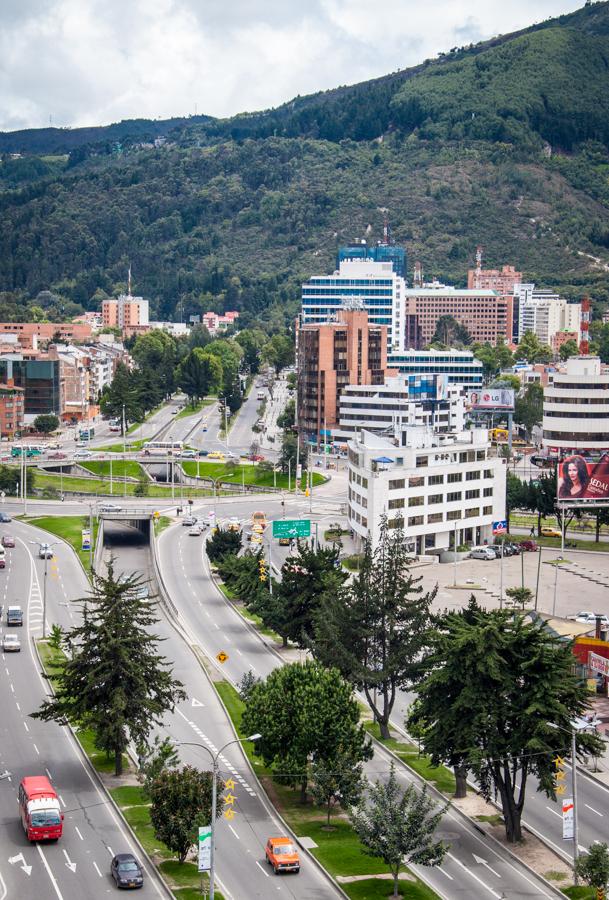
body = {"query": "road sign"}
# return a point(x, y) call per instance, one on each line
point(500, 527)
point(86, 539)
point(222, 656)
point(291, 528)
point(205, 848)
point(156, 514)
point(568, 824)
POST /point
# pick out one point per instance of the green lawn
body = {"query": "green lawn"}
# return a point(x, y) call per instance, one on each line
point(245, 474)
point(192, 410)
point(70, 529)
point(101, 488)
point(441, 777)
point(118, 448)
point(161, 524)
point(580, 893)
point(120, 468)
point(339, 850)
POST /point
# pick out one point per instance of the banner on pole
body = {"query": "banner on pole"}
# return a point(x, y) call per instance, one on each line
point(568, 820)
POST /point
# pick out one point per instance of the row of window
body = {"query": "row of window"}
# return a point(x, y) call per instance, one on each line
point(579, 436)
point(434, 518)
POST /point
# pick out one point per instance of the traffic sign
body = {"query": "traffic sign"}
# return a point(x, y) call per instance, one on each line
point(156, 514)
point(291, 528)
point(205, 836)
point(222, 656)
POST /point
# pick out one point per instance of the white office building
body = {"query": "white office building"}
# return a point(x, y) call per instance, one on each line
point(441, 489)
point(401, 402)
point(459, 367)
point(576, 407)
point(545, 313)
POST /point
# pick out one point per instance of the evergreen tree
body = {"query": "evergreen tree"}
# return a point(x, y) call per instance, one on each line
point(199, 374)
point(114, 681)
point(122, 393)
point(305, 578)
point(181, 804)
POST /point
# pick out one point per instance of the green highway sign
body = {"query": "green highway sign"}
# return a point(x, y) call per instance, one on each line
point(291, 528)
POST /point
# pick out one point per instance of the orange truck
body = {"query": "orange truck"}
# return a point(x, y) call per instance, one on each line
point(282, 855)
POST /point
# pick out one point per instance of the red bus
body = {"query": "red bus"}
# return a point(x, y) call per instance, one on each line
point(41, 817)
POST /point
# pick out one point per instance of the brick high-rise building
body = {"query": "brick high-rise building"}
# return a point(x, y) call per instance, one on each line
point(503, 281)
point(330, 356)
point(126, 312)
point(11, 409)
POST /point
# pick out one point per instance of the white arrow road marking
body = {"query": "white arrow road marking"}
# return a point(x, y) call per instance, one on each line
point(482, 862)
point(23, 865)
point(70, 865)
point(474, 876)
point(196, 702)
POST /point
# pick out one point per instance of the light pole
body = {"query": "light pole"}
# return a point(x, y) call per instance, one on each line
point(214, 796)
point(40, 544)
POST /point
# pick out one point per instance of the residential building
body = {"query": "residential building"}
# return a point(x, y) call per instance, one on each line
point(126, 312)
point(11, 409)
point(214, 322)
point(576, 407)
point(486, 314)
point(331, 355)
point(176, 329)
point(545, 313)
point(403, 400)
point(443, 490)
point(30, 334)
point(381, 252)
point(502, 280)
point(563, 337)
point(459, 367)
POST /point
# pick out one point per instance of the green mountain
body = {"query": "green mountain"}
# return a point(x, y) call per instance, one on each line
point(504, 144)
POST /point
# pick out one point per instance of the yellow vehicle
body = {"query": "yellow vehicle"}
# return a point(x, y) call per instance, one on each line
point(256, 538)
point(216, 454)
point(499, 435)
point(546, 531)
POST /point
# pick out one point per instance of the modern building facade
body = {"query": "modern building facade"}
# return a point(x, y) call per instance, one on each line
point(576, 407)
point(442, 490)
point(31, 334)
point(486, 314)
point(331, 355)
point(40, 380)
point(381, 252)
point(459, 367)
point(11, 409)
point(545, 313)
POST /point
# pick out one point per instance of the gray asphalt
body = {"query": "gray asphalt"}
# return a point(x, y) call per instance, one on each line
point(92, 830)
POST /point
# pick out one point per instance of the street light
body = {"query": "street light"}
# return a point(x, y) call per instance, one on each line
point(576, 727)
point(214, 796)
point(44, 583)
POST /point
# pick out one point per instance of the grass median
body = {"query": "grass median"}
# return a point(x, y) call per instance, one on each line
point(183, 879)
point(70, 529)
point(120, 468)
point(338, 850)
point(196, 408)
point(245, 474)
point(101, 487)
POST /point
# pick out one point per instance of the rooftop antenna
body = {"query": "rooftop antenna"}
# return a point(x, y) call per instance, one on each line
point(386, 232)
point(478, 259)
point(129, 282)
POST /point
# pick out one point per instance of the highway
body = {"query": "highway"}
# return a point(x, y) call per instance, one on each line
point(78, 866)
point(474, 867)
point(240, 842)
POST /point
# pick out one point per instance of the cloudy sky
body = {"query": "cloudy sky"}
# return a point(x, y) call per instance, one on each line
point(86, 62)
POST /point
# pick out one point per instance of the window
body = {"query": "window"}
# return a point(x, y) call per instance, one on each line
point(487, 511)
point(396, 483)
point(436, 479)
point(488, 492)
point(395, 523)
point(454, 514)
point(472, 513)
point(435, 498)
point(416, 501)
point(472, 476)
point(488, 473)
point(422, 461)
point(434, 517)
point(454, 476)
point(480, 454)
point(416, 481)
point(453, 496)
point(398, 503)
point(416, 520)
point(471, 495)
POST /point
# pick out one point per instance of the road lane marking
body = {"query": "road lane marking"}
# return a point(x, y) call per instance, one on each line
point(268, 876)
point(234, 832)
point(473, 875)
point(25, 725)
point(17, 705)
point(50, 874)
point(76, 829)
point(36, 749)
point(593, 810)
point(554, 812)
point(61, 801)
point(49, 774)
point(96, 867)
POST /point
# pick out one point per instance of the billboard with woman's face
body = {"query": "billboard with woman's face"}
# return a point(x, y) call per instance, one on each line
point(578, 479)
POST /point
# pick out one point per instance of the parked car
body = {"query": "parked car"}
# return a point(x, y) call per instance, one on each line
point(530, 546)
point(11, 643)
point(8, 540)
point(482, 553)
point(547, 531)
point(589, 618)
point(515, 548)
point(282, 855)
point(126, 871)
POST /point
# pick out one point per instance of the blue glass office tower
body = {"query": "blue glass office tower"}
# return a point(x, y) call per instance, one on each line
point(378, 253)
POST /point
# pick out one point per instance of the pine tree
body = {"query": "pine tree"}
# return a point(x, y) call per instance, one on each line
point(114, 681)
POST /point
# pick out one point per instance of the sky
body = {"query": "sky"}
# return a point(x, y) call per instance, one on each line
point(92, 62)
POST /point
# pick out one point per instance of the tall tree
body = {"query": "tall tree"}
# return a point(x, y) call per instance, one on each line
point(199, 373)
point(593, 868)
point(305, 714)
point(122, 393)
point(305, 578)
point(568, 349)
point(279, 352)
point(375, 630)
point(399, 826)
point(498, 695)
point(528, 409)
point(531, 349)
point(181, 804)
point(114, 681)
point(337, 782)
point(450, 332)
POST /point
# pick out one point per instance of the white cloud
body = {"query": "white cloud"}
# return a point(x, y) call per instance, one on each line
point(85, 62)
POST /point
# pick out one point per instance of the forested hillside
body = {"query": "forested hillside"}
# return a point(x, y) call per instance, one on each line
point(504, 144)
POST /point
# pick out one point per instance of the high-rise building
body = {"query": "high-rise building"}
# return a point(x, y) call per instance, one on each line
point(126, 312)
point(576, 407)
point(457, 367)
point(545, 313)
point(485, 313)
point(502, 280)
point(40, 380)
point(331, 355)
point(381, 252)
point(11, 409)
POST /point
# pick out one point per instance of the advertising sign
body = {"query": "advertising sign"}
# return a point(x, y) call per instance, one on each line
point(598, 663)
point(292, 528)
point(567, 820)
point(500, 527)
point(205, 849)
point(491, 398)
point(579, 479)
point(86, 539)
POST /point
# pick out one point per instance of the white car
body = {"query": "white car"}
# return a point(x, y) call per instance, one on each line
point(110, 507)
point(83, 454)
point(482, 553)
point(188, 454)
point(195, 530)
point(234, 524)
point(589, 618)
point(11, 643)
point(189, 521)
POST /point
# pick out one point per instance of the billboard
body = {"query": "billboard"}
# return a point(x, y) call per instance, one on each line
point(491, 398)
point(500, 527)
point(579, 479)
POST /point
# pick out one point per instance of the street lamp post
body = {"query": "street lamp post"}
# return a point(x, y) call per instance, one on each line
point(44, 583)
point(214, 797)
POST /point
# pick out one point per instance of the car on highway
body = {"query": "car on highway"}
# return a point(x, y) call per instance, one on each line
point(255, 538)
point(547, 531)
point(4, 518)
point(58, 455)
point(14, 615)
point(188, 454)
point(8, 540)
point(282, 855)
point(2, 557)
point(45, 551)
point(285, 541)
point(115, 428)
point(203, 452)
point(82, 443)
point(83, 454)
point(110, 507)
point(126, 871)
point(529, 546)
point(189, 520)
point(482, 553)
point(234, 524)
point(11, 643)
point(203, 427)
point(216, 454)
point(589, 618)
point(195, 530)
